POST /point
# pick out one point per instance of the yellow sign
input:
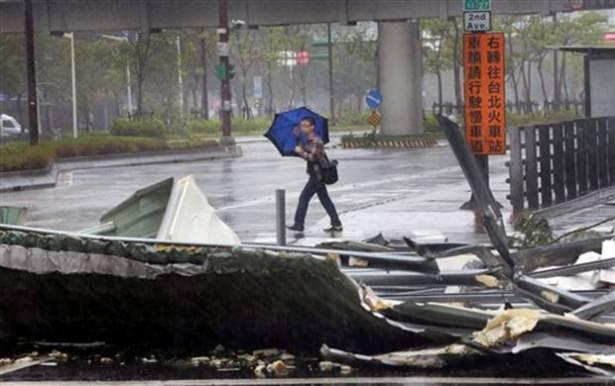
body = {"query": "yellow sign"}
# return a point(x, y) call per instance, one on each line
point(484, 92)
point(374, 118)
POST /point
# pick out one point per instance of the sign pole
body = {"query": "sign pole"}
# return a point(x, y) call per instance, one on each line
point(330, 65)
point(31, 74)
point(225, 86)
point(484, 86)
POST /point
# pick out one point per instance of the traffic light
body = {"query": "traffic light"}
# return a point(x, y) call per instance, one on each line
point(231, 71)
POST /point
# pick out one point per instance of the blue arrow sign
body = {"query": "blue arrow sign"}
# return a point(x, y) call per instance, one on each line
point(373, 99)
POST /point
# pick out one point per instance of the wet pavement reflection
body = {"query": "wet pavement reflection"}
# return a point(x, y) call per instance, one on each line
point(394, 191)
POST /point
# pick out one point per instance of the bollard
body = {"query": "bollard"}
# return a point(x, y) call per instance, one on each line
point(280, 216)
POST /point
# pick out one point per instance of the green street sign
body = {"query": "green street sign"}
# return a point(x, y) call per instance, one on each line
point(319, 56)
point(320, 43)
point(221, 72)
point(477, 5)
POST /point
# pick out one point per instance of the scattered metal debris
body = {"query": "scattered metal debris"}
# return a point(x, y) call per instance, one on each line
point(361, 303)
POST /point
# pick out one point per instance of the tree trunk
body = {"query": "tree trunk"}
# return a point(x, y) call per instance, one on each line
point(563, 79)
point(513, 72)
point(142, 47)
point(515, 81)
point(269, 90)
point(303, 80)
point(204, 100)
point(439, 79)
point(522, 74)
point(86, 114)
point(557, 90)
point(116, 104)
point(20, 112)
point(246, 111)
point(545, 96)
point(195, 102)
point(291, 97)
point(139, 95)
point(456, 66)
point(528, 91)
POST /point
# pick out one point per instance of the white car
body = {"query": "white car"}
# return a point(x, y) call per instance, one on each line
point(9, 127)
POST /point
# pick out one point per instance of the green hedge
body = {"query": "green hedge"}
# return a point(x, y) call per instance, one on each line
point(213, 127)
point(22, 156)
point(354, 119)
point(514, 119)
point(431, 124)
point(204, 126)
point(151, 127)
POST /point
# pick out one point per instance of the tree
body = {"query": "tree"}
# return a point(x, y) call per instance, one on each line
point(586, 28)
point(454, 42)
point(139, 46)
point(246, 53)
point(436, 60)
point(522, 29)
point(539, 40)
point(91, 57)
point(12, 68)
point(273, 42)
point(357, 59)
point(161, 87)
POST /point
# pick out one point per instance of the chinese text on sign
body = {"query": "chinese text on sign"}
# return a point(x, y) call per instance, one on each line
point(484, 92)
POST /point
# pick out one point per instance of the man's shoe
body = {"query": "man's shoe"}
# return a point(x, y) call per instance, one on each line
point(295, 228)
point(334, 228)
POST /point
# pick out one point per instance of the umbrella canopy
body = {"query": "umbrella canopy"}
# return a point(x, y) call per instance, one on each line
point(284, 135)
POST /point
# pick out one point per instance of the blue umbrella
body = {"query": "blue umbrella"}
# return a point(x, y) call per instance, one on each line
point(284, 134)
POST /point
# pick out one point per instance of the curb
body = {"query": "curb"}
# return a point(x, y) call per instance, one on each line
point(47, 178)
point(360, 143)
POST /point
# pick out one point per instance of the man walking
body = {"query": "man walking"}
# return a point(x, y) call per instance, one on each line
point(313, 152)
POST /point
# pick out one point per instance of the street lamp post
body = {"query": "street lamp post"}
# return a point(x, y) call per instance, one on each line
point(180, 80)
point(330, 63)
point(71, 36)
point(204, 101)
point(128, 88)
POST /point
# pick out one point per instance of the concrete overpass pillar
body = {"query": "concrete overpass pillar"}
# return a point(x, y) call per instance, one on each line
point(400, 76)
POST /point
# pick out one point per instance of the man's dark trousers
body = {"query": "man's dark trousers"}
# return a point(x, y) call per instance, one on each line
point(315, 186)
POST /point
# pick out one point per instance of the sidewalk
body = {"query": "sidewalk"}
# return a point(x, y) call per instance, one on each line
point(432, 213)
point(425, 207)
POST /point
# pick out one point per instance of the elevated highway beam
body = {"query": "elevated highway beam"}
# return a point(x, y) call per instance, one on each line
point(109, 15)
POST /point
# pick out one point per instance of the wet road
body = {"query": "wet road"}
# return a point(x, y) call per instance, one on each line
point(394, 191)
